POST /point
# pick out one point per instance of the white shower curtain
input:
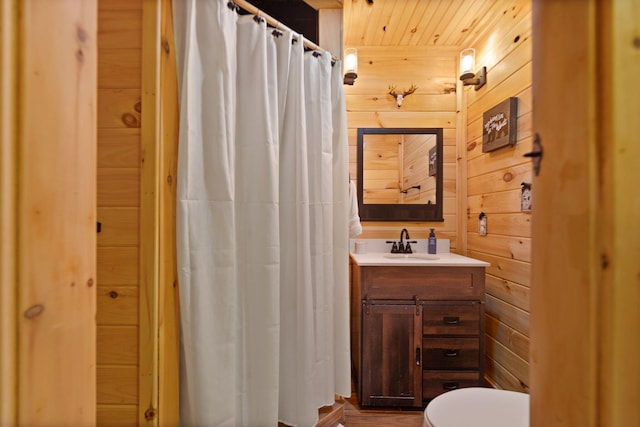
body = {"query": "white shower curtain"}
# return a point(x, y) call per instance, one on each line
point(262, 223)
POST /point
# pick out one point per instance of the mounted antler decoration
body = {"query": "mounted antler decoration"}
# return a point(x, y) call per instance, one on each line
point(400, 96)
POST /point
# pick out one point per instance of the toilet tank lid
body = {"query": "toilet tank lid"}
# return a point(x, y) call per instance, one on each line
point(479, 407)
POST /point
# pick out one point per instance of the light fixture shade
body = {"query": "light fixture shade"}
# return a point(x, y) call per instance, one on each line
point(467, 62)
point(350, 65)
point(351, 61)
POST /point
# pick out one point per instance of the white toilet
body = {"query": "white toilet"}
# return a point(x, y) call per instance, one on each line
point(478, 407)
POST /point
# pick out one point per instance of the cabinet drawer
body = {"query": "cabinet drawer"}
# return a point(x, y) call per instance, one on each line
point(438, 382)
point(451, 318)
point(424, 283)
point(451, 353)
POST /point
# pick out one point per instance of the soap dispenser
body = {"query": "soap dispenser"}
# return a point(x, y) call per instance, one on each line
point(431, 248)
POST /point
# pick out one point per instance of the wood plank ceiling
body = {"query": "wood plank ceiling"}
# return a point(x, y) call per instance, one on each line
point(417, 22)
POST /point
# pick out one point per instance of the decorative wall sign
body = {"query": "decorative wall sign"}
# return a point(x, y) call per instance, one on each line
point(499, 125)
point(433, 161)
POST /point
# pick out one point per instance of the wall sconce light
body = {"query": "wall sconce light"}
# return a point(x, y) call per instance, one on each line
point(350, 65)
point(467, 75)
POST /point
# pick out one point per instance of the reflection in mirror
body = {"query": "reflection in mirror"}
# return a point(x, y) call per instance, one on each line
point(400, 174)
point(399, 168)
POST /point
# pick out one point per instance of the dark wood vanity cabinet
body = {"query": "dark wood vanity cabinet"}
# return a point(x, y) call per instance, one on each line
point(416, 332)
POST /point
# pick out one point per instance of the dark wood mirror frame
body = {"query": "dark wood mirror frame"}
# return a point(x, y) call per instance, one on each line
point(400, 212)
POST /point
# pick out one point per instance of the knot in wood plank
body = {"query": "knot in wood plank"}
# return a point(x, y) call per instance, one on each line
point(34, 311)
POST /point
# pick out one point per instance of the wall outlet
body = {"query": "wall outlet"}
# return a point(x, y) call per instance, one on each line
point(525, 197)
point(482, 224)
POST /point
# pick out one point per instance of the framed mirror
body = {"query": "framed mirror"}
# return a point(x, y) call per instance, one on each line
point(400, 174)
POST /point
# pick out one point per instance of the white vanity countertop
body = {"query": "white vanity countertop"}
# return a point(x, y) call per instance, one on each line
point(446, 259)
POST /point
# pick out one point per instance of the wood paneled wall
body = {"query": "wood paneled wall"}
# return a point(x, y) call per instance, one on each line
point(433, 105)
point(119, 171)
point(138, 353)
point(416, 169)
point(381, 176)
point(494, 187)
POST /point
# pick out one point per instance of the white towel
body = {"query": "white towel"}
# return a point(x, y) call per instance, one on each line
point(355, 228)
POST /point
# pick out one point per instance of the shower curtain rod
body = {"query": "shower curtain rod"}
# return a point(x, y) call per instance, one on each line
point(277, 24)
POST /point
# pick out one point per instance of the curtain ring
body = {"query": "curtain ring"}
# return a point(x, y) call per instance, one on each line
point(276, 32)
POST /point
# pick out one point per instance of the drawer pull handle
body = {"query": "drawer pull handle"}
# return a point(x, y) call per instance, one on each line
point(450, 352)
point(418, 356)
point(451, 385)
point(451, 320)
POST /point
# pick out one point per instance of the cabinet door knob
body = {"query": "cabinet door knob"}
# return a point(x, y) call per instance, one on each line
point(418, 356)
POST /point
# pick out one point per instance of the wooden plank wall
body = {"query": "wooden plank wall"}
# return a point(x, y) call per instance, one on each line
point(494, 187)
point(119, 141)
point(380, 175)
point(433, 105)
point(415, 169)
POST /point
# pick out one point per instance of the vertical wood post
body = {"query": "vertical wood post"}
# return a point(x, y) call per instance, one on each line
point(48, 193)
point(169, 333)
point(159, 329)
point(149, 211)
point(462, 202)
point(8, 212)
point(618, 207)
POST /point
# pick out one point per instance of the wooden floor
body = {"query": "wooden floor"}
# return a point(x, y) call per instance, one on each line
point(357, 417)
point(348, 413)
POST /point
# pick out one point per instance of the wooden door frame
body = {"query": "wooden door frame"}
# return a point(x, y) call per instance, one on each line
point(48, 215)
point(579, 366)
point(158, 332)
point(8, 212)
point(159, 329)
point(585, 285)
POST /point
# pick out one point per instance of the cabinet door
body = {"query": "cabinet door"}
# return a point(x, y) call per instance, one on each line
point(391, 355)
